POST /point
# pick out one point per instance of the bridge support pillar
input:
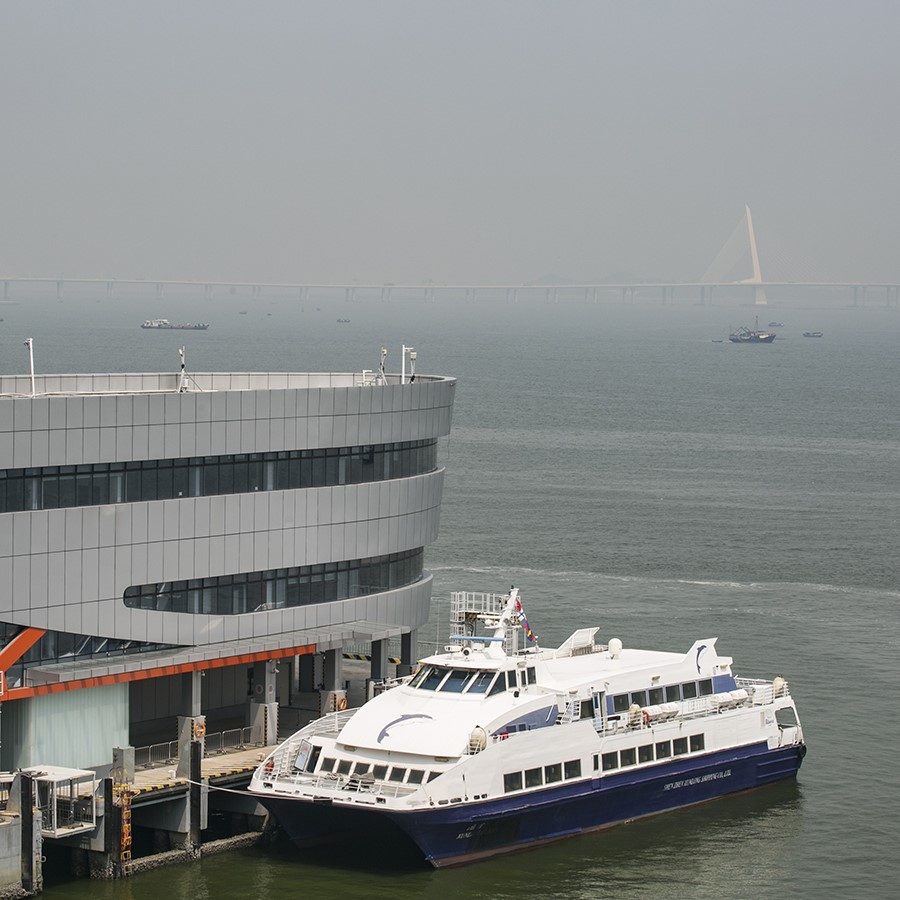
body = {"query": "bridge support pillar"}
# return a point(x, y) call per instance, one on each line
point(408, 647)
point(379, 661)
point(59, 290)
point(6, 290)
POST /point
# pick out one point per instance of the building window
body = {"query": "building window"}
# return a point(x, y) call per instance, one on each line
point(229, 595)
point(57, 487)
point(696, 743)
point(628, 757)
point(610, 761)
point(572, 768)
point(512, 781)
point(645, 753)
point(679, 746)
point(533, 778)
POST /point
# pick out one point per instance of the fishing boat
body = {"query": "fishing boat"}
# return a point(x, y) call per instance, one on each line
point(753, 335)
point(166, 325)
point(776, 324)
point(813, 333)
point(489, 748)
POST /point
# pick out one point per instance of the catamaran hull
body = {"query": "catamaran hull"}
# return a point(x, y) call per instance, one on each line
point(460, 833)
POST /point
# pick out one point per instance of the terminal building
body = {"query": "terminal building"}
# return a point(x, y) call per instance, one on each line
point(202, 549)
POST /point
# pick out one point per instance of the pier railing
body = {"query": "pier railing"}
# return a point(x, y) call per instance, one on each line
point(215, 744)
point(155, 755)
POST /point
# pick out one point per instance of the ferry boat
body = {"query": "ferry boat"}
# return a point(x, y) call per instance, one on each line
point(166, 325)
point(488, 748)
point(813, 333)
point(746, 335)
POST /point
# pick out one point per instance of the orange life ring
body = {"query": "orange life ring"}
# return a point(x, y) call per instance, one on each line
point(342, 704)
point(199, 730)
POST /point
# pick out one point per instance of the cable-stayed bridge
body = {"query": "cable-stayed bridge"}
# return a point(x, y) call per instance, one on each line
point(735, 268)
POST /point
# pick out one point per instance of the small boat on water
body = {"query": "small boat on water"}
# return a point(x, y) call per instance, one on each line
point(776, 324)
point(490, 748)
point(753, 335)
point(813, 333)
point(166, 325)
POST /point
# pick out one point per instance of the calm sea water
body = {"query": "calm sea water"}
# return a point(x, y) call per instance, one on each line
point(627, 472)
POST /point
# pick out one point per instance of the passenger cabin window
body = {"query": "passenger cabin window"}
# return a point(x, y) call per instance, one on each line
point(679, 746)
point(456, 681)
point(696, 742)
point(379, 772)
point(706, 687)
point(663, 750)
point(639, 697)
point(531, 675)
point(533, 778)
point(587, 709)
point(645, 753)
point(415, 776)
point(361, 769)
point(480, 683)
point(433, 775)
point(512, 781)
point(572, 768)
point(343, 767)
point(432, 679)
point(786, 717)
point(689, 690)
point(610, 761)
point(620, 703)
point(656, 696)
point(417, 678)
point(553, 773)
point(511, 681)
point(673, 693)
point(628, 757)
point(397, 774)
point(327, 765)
point(498, 686)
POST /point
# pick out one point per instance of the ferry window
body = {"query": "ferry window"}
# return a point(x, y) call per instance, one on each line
point(313, 759)
point(663, 750)
point(596, 762)
point(531, 675)
point(434, 677)
point(610, 761)
point(645, 753)
point(587, 709)
point(498, 687)
point(397, 774)
point(628, 757)
point(553, 773)
point(510, 681)
point(572, 768)
point(620, 703)
point(696, 742)
point(480, 683)
point(343, 767)
point(705, 687)
point(361, 769)
point(786, 717)
point(433, 775)
point(512, 781)
point(533, 778)
point(639, 697)
point(680, 746)
point(689, 690)
point(327, 765)
point(656, 696)
point(379, 772)
point(419, 676)
point(673, 693)
point(415, 776)
point(456, 681)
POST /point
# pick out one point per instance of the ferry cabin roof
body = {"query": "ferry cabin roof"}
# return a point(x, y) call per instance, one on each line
point(435, 714)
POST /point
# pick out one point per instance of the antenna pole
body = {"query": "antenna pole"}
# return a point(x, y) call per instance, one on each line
point(29, 343)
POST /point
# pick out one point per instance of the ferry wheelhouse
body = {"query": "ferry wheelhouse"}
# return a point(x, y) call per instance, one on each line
point(489, 748)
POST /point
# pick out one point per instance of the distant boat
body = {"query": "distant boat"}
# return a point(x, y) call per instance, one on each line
point(776, 324)
point(753, 335)
point(166, 325)
point(243, 312)
point(813, 333)
point(718, 340)
point(343, 321)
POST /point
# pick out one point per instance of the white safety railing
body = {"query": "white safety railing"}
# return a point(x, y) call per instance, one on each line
point(155, 755)
point(761, 691)
point(343, 784)
point(233, 739)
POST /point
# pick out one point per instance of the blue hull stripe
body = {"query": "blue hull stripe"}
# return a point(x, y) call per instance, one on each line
point(453, 834)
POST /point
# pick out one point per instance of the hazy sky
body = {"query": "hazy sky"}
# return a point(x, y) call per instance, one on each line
point(483, 140)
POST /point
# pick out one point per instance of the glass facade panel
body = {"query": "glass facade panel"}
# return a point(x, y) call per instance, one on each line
point(54, 487)
point(231, 595)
